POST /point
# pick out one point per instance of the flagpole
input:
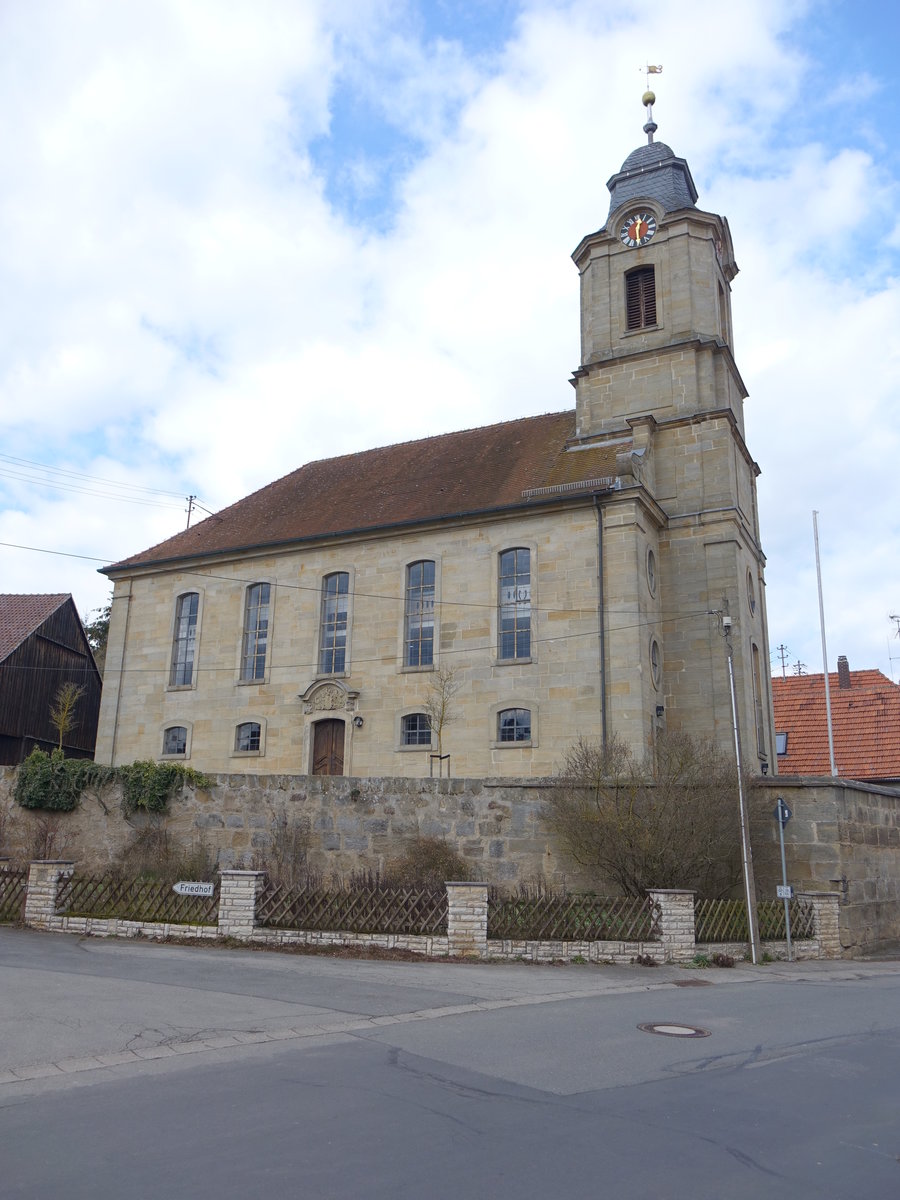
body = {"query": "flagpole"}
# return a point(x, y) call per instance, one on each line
point(834, 769)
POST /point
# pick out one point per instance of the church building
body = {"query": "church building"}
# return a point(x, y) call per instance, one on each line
point(494, 594)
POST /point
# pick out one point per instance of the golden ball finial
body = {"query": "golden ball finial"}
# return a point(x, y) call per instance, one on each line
point(648, 97)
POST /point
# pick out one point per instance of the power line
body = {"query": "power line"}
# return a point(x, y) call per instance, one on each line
point(663, 614)
point(135, 487)
point(355, 661)
point(65, 487)
point(60, 553)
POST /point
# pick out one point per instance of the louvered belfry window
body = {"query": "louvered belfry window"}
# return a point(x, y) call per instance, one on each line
point(640, 297)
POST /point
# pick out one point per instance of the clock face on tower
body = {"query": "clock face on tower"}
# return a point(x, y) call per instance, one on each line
point(637, 229)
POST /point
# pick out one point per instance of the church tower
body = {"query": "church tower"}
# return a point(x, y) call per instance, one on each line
point(682, 561)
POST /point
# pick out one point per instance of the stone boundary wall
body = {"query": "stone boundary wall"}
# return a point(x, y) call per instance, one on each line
point(843, 836)
point(467, 926)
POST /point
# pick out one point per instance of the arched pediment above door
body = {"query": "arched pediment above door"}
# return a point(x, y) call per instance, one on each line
point(329, 695)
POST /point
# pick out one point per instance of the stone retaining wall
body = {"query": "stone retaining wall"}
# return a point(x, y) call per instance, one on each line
point(843, 837)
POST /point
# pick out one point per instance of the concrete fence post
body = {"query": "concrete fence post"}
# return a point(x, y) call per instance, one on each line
point(826, 921)
point(42, 888)
point(676, 922)
point(467, 913)
point(237, 902)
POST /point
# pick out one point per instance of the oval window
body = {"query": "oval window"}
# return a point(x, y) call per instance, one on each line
point(655, 670)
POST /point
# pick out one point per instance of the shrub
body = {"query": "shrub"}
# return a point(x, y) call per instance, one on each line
point(285, 857)
point(428, 862)
point(151, 855)
point(148, 786)
point(52, 781)
point(669, 822)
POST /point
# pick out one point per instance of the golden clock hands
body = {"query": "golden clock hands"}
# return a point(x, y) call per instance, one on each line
point(638, 223)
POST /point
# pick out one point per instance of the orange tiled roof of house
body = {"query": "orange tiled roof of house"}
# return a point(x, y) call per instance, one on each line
point(438, 478)
point(865, 718)
point(20, 615)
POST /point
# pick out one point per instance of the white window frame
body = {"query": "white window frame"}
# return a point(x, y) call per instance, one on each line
point(247, 634)
point(249, 719)
point(320, 644)
point(516, 702)
point(175, 723)
point(497, 620)
point(174, 639)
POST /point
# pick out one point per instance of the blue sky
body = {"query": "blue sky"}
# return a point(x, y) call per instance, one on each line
point(236, 238)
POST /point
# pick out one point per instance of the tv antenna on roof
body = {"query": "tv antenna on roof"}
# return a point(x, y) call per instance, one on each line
point(894, 657)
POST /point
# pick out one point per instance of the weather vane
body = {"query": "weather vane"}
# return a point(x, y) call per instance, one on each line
point(649, 99)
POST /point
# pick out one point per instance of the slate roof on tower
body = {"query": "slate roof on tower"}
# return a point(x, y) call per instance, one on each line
point(653, 172)
point(483, 470)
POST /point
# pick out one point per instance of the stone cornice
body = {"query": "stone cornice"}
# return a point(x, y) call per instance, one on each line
point(696, 341)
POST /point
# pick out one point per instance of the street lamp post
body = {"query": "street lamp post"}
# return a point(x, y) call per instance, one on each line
point(746, 853)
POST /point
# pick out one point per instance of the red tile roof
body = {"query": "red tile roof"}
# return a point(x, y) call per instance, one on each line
point(454, 474)
point(865, 721)
point(21, 615)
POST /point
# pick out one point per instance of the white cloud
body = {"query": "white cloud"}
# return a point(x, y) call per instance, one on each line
point(187, 300)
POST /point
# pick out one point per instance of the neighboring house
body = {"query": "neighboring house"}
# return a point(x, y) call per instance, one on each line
point(568, 568)
point(865, 720)
point(43, 645)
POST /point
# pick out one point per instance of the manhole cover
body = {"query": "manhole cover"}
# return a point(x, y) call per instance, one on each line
point(669, 1030)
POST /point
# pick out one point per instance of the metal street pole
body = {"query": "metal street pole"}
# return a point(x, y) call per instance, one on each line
point(746, 854)
point(782, 816)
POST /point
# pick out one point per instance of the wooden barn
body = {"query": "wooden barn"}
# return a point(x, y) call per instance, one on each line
point(43, 646)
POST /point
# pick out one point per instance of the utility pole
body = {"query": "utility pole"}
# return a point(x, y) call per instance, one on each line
point(746, 852)
point(190, 509)
point(783, 652)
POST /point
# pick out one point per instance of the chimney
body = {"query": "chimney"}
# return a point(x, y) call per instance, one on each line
point(843, 671)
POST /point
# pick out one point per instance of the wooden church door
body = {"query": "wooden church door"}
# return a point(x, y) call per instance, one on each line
point(328, 748)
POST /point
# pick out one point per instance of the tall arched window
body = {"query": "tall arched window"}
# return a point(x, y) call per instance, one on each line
point(333, 631)
point(419, 631)
point(256, 632)
point(514, 615)
point(185, 640)
point(759, 711)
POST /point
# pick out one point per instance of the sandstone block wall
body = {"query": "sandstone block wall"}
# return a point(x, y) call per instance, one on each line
point(843, 838)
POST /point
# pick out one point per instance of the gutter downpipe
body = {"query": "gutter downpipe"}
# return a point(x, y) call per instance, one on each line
point(601, 622)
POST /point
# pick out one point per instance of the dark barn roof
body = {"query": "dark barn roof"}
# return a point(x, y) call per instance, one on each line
point(20, 616)
point(453, 474)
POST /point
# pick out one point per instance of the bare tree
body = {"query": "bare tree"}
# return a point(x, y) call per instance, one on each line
point(443, 686)
point(63, 710)
point(669, 822)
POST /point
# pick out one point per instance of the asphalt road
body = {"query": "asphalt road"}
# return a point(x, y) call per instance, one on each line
point(131, 1070)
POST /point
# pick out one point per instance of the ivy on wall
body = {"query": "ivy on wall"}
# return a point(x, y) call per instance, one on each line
point(52, 781)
